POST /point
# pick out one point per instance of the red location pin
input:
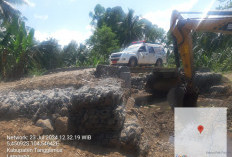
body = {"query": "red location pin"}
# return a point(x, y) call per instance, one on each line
point(200, 128)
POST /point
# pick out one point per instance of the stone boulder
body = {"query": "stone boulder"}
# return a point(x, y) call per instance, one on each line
point(64, 111)
point(4, 108)
point(61, 125)
point(46, 125)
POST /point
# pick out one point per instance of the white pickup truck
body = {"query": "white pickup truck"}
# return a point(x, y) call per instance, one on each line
point(140, 53)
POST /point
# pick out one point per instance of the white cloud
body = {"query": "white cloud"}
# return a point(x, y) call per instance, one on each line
point(28, 2)
point(41, 35)
point(41, 17)
point(90, 28)
point(162, 17)
point(64, 36)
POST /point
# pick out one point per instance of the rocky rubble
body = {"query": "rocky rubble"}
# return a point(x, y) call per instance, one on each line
point(207, 83)
point(112, 71)
point(139, 82)
point(96, 109)
point(99, 105)
point(121, 72)
point(131, 134)
point(205, 80)
point(211, 83)
point(34, 103)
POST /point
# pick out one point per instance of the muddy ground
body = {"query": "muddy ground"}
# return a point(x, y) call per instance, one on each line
point(155, 116)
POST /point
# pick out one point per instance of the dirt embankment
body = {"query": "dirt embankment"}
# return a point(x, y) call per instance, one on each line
point(56, 80)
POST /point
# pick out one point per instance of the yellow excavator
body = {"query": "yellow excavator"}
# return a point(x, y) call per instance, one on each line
point(184, 93)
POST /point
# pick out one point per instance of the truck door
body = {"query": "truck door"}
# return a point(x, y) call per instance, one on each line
point(151, 55)
point(158, 53)
point(143, 57)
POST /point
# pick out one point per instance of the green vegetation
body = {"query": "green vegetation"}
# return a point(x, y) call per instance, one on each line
point(114, 29)
point(102, 43)
point(21, 55)
point(214, 50)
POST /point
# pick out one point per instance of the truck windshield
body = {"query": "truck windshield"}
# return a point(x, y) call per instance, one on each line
point(132, 48)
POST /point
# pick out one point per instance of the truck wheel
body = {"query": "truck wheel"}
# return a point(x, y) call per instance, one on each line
point(133, 62)
point(159, 63)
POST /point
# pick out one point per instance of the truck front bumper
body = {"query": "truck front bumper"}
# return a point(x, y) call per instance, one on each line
point(118, 61)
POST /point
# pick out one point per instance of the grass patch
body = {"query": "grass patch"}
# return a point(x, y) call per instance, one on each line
point(36, 72)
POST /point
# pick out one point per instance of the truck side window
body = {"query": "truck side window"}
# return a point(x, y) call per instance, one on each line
point(156, 49)
point(142, 49)
point(151, 50)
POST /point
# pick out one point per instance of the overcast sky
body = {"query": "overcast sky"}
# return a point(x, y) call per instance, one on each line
point(68, 20)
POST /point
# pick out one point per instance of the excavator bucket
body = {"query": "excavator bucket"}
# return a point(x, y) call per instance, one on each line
point(161, 81)
point(167, 82)
point(182, 96)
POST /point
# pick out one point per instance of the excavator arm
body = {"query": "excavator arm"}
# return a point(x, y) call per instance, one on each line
point(181, 29)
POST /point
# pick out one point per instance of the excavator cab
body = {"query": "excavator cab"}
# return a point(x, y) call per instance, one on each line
point(185, 93)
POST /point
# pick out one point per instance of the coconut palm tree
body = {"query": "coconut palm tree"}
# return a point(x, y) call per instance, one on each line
point(7, 10)
point(131, 28)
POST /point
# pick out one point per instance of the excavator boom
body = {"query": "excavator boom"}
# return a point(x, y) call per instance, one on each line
point(185, 94)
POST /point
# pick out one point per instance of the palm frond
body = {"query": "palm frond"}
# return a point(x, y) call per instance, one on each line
point(8, 11)
point(18, 2)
